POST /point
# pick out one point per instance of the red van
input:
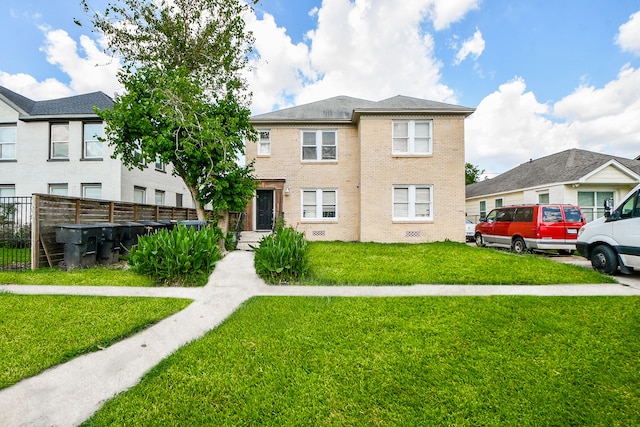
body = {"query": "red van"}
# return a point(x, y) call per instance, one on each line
point(526, 227)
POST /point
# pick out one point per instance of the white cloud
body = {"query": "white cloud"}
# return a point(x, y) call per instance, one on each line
point(28, 86)
point(473, 46)
point(88, 67)
point(510, 127)
point(445, 12)
point(628, 37)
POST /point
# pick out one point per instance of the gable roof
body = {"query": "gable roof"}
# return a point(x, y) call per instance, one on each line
point(77, 106)
point(346, 109)
point(565, 167)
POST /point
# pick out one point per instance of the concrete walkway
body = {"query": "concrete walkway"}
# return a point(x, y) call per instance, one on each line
point(68, 394)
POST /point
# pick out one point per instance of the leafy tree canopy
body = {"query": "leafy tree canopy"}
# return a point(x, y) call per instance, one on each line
point(185, 100)
point(472, 173)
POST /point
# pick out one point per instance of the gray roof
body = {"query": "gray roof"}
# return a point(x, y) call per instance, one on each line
point(564, 167)
point(348, 109)
point(73, 106)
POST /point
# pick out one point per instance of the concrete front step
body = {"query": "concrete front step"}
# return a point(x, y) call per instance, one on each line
point(250, 238)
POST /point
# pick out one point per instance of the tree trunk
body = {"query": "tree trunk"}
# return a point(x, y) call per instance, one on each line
point(198, 205)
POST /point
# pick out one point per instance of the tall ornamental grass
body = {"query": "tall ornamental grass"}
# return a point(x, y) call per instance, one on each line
point(282, 257)
point(183, 256)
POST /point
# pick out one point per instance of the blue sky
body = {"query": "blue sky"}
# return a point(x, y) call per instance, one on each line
point(543, 75)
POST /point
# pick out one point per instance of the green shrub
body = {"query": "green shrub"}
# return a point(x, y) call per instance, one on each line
point(282, 257)
point(182, 256)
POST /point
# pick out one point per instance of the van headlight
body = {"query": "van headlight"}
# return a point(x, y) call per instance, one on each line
point(580, 231)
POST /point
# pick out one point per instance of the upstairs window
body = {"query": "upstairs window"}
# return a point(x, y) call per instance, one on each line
point(92, 144)
point(412, 202)
point(319, 145)
point(264, 143)
point(60, 141)
point(7, 142)
point(411, 137)
point(159, 165)
point(319, 204)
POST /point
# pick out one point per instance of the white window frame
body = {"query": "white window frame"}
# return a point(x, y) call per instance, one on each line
point(141, 191)
point(92, 141)
point(8, 147)
point(159, 198)
point(318, 146)
point(59, 189)
point(87, 188)
point(264, 143)
point(412, 202)
point(59, 142)
point(319, 204)
point(410, 138)
point(498, 203)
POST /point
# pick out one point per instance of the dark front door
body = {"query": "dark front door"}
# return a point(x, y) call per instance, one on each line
point(264, 218)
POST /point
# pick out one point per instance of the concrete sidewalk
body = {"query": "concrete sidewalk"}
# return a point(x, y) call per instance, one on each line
point(68, 394)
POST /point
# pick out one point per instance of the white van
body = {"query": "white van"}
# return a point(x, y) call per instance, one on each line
point(614, 240)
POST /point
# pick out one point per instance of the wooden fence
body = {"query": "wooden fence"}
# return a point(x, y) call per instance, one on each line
point(50, 211)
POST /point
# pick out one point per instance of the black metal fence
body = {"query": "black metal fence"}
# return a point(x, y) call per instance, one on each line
point(15, 233)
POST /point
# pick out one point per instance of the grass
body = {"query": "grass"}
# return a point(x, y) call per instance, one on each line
point(11, 255)
point(95, 276)
point(350, 263)
point(37, 332)
point(492, 361)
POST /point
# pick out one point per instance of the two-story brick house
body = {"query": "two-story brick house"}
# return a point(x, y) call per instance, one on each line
point(356, 170)
point(51, 147)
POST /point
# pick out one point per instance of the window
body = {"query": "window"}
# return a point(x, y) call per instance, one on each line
point(411, 137)
point(412, 202)
point(59, 189)
point(60, 141)
point(179, 200)
point(264, 143)
point(498, 203)
point(543, 198)
point(92, 144)
point(592, 203)
point(319, 204)
point(319, 145)
point(483, 209)
point(159, 198)
point(159, 164)
point(7, 191)
point(630, 208)
point(92, 191)
point(7, 142)
point(139, 194)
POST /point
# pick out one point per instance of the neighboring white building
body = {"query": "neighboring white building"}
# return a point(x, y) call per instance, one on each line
point(51, 147)
point(574, 176)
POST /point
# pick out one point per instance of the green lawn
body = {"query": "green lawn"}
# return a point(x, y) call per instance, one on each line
point(40, 331)
point(467, 361)
point(96, 276)
point(10, 255)
point(350, 263)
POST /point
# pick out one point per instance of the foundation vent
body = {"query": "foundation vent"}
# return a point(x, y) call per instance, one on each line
point(318, 233)
point(413, 234)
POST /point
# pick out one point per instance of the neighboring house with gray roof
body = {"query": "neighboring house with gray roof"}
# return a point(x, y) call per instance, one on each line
point(572, 176)
point(51, 147)
point(357, 170)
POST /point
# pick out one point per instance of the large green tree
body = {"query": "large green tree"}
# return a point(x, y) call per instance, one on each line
point(472, 173)
point(185, 100)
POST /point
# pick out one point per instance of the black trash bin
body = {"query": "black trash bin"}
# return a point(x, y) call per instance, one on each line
point(151, 227)
point(109, 245)
point(80, 244)
point(168, 223)
point(130, 235)
point(194, 223)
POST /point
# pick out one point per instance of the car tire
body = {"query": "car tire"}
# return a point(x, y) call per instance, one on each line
point(518, 245)
point(478, 239)
point(604, 259)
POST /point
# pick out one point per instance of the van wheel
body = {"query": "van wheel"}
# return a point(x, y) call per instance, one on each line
point(518, 245)
point(604, 259)
point(478, 239)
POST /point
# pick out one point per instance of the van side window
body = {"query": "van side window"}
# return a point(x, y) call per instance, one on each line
point(505, 215)
point(572, 214)
point(551, 214)
point(630, 208)
point(491, 216)
point(524, 215)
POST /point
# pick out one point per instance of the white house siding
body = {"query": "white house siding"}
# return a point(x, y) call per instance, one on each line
point(151, 180)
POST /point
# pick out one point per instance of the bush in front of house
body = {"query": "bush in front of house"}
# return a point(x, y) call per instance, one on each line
point(282, 257)
point(183, 256)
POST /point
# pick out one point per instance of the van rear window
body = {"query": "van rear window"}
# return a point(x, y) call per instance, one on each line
point(572, 214)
